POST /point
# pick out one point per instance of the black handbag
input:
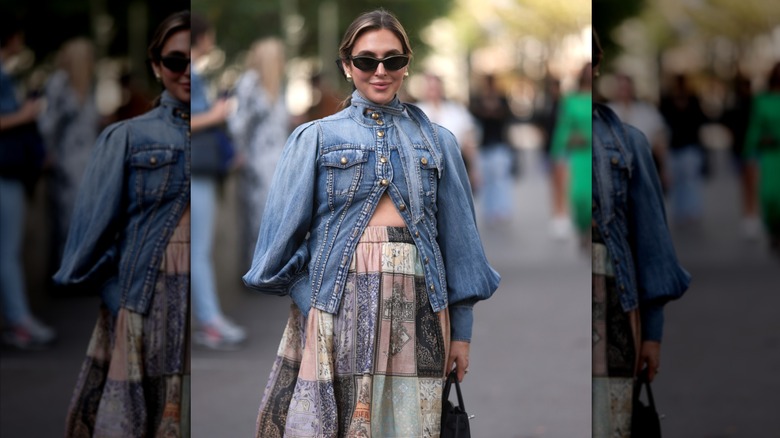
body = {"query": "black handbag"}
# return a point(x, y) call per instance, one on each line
point(454, 419)
point(211, 152)
point(645, 422)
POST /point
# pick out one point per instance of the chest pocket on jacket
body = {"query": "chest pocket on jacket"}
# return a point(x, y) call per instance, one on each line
point(154, 173)
point(428, 172)
point(344, 170)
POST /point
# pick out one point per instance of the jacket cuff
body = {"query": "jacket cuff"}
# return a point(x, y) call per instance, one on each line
point(461, 322)
point(652, 320)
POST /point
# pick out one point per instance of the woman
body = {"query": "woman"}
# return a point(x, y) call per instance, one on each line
point(635, 269)
point(213, 330)
point(18, 174)
point(70, 126)
point(572, 142)
point(259, 127)
point(762, 149)
point(129, 239)
point(370, 229)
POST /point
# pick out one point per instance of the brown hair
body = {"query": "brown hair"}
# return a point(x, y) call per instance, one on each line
point(374, 20)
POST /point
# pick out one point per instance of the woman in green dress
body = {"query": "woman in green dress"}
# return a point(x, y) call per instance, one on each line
point(762, 149)
point(573, 142)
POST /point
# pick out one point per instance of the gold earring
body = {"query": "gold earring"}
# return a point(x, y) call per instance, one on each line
point(406, 73)
point(349, 76)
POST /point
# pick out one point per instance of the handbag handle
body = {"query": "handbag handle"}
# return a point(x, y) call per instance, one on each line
point(453, 377)
point(644, 380)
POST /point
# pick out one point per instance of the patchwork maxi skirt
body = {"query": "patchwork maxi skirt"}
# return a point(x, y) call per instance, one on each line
point(134, 381)
point(615, 349)
point(376, 367)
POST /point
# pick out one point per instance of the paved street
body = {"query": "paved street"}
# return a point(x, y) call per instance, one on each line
point(530, 372)
point(530, 358)
point(720, 358)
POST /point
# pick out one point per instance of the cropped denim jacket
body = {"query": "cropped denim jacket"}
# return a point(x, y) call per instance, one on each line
point(628, 209)
point(330, 178)
point(133, 194)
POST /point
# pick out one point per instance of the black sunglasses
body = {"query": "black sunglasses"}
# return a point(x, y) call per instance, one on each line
point(176, 64)
point(369, 63)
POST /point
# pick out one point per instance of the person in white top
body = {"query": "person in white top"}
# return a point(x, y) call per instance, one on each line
point(645, 117)
point(457, 119)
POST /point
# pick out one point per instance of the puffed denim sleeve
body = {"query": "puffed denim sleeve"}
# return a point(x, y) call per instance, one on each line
point(469, 275)
point(90, 253)
point(280, 263)
point(659, 276)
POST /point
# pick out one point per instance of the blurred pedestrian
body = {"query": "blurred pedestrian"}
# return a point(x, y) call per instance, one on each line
point(259, 127)
point(571, 147)
point(683, 114)
point(21, 159)
point(455, 117)
point(645, 117)
point(762, 149)
point(737, 118)
point(370, 229)
point(70, 127)
point(490, 108)
point(635, 268)
point(130, 240)
point(213, 329)
point(325, 100)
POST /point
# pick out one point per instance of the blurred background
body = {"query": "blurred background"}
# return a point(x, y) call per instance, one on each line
point(530, 364)
point(690, 74)
point(81, 66)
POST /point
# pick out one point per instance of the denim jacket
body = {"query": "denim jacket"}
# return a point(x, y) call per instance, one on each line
point(628, 208)
point(133, 194)
point(330, 178)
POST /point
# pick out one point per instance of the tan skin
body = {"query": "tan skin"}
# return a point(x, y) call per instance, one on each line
point(30, 109)
point(380, 87)
point(219, 111)
point(177, 84)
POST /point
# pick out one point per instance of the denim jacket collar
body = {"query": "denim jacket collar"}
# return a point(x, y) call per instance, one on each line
point(175, 111)
point(408, 120)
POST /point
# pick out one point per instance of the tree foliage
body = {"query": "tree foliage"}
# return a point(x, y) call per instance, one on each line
point(240, 22)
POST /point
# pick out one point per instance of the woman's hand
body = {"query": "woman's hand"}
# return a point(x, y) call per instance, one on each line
point(650, 356)
point(459, 356)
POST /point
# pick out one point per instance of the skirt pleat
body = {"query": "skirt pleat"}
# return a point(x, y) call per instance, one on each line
point(376, 367)
point(134, 381)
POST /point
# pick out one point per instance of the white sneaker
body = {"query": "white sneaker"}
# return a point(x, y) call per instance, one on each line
point(221, 334)
point(30, 334)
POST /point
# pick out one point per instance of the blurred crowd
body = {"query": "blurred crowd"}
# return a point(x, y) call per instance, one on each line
point(50, 117)
point(60, 112)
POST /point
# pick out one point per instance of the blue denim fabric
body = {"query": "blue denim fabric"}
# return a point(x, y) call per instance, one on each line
point(134, 192)
point(497, 184)
point(12, 285)
point(205, 305)
point(628, 208)
point(686, 192)
point(330, 178)
point(199, 102)
point(8, 101)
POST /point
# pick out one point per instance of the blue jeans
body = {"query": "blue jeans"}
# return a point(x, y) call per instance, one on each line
point(12, 286)
point(203, 194)
point(686, 183)
point(496, 190)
